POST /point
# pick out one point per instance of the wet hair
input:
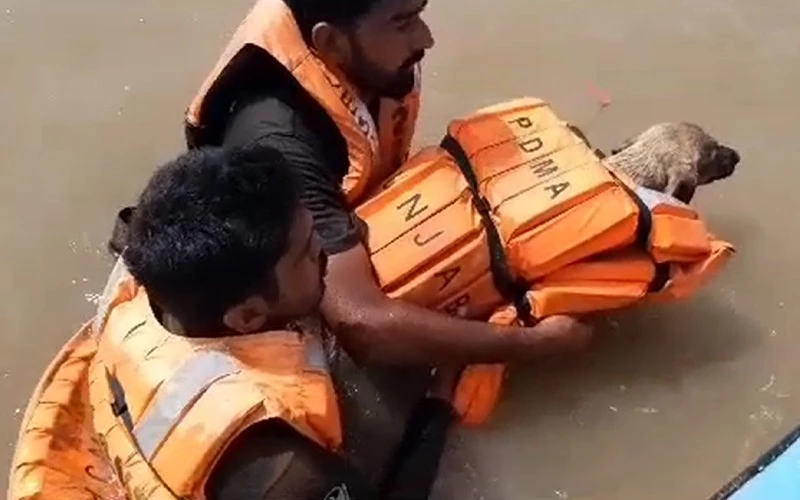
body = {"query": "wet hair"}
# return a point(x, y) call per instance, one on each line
point(209, 229)
point(340, 13)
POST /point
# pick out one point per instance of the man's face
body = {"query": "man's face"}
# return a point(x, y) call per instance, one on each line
point(300, 273)
point(386, 46)
point(299, 277)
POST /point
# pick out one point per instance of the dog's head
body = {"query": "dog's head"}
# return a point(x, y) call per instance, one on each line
point(680, 144)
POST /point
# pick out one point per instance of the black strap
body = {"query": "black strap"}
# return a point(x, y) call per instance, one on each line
point(512, 289)
point(119, 406)
point(515, 290)
point(644, 229)
point(412, 469)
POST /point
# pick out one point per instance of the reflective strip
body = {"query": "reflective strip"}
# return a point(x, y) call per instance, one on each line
point(118, 273)
point(312, 330)
point(176, 394)
point(315, 353)
point(653, 198)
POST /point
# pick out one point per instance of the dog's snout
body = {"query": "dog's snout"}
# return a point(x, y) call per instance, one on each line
point(724, 163)
point(736, 157)
point(729, 156)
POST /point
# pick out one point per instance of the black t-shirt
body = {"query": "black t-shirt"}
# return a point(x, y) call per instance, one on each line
point(292, 122)
point(272, 461)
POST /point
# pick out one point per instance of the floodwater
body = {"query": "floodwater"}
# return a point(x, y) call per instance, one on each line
point(674, 400)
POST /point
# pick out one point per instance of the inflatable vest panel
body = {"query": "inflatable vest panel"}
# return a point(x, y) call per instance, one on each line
point(513, 208)
point(58, 454)
point(513, 179)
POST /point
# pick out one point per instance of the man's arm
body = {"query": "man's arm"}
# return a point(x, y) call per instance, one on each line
point(371, 326)
point(378, 329)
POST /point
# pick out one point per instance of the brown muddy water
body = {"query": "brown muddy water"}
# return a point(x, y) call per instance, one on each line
point(673, 401)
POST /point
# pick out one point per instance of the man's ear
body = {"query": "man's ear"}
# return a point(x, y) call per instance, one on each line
point(248, 316)
point(119, 235)
point(330, 43)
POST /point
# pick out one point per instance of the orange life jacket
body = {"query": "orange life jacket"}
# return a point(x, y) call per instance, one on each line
point(514, 208)
point(78, 437)
point(375, 152)
point(165, 406)
point(58, 454)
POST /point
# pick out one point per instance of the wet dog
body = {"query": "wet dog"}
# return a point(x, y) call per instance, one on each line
point(674, 158)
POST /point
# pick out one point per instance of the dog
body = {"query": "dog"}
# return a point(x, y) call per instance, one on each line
point(674, 158)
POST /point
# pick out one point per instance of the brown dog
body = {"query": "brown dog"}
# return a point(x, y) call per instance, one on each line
point(674, 158)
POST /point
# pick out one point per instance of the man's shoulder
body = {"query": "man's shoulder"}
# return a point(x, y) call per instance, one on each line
point(293, 123)
point(282, 110)
point(268, 112)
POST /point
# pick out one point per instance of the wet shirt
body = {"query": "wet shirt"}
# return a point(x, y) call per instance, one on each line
point(292, 122)
point(272, 461)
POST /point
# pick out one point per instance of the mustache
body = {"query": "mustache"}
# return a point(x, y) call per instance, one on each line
point(414, 59)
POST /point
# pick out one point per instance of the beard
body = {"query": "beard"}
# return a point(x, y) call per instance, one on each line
point(370, 77)
point(401, 85)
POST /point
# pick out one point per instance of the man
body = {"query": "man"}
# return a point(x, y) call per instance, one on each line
point(332, 85)
point(224, 260)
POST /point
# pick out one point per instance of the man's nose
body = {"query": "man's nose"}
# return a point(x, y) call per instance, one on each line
point(425, 39)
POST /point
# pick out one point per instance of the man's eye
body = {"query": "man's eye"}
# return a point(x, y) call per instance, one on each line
point(407, 24)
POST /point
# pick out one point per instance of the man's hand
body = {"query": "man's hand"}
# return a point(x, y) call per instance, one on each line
point(552, 335)
point(558, 334)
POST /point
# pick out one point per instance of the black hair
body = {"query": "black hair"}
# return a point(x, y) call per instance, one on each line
point(209, 229)
point(340, 13)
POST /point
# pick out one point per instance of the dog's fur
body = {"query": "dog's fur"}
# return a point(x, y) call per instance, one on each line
point(674, 158)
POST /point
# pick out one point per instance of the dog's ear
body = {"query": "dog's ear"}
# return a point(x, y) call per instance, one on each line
point(625, 145)
point(682, 188)
point(684, 192)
